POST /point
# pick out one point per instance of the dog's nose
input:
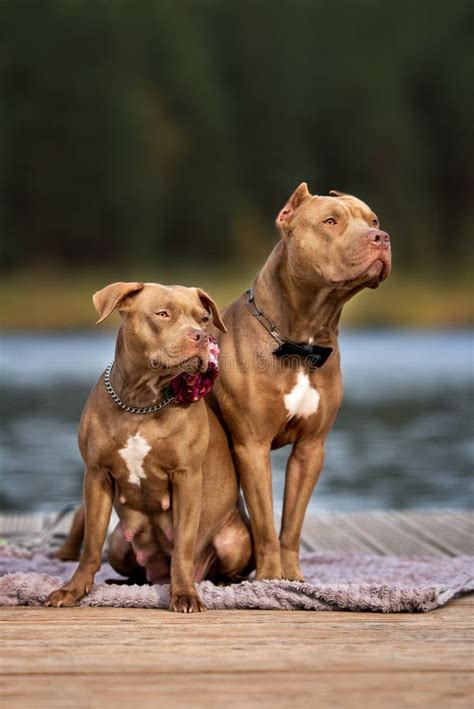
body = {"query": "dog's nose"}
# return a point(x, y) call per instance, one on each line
point(198, 336)
point(378, 238)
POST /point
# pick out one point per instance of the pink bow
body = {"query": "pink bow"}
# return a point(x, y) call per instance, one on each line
point(187, 388)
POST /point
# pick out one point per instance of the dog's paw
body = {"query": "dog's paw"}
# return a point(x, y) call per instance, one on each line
point(268, 568)
point(293, 576)
point(180, 603)
point(268, 572)
point(64, 597)
point(291, 572)
point(290, 566)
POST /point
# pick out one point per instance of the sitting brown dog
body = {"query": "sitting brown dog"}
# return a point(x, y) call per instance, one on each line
point(164, 466)
point(280, 377)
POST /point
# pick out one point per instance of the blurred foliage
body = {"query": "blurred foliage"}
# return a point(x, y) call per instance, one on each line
point(166, 132)
point(51, 299)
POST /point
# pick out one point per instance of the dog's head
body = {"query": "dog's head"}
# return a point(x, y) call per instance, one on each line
point(336, 240)
point(163, 327)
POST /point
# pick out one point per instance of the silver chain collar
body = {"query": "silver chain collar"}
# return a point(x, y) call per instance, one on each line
point(132, 409)
point(313, 355)
point(262, 318)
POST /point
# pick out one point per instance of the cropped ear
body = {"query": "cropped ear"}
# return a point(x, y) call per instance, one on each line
point(299, 195)
point(211, 307)
point(109, 298)
point(335, 193)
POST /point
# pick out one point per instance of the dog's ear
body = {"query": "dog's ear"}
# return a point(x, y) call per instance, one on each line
point(211, 307)
point(113, 296)
point(298, 197)
point(336, 193)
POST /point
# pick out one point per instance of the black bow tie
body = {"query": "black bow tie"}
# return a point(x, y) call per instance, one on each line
point(314, 355)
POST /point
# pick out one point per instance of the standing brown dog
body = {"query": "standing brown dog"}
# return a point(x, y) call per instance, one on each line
point(164, 466)
point(331, 247)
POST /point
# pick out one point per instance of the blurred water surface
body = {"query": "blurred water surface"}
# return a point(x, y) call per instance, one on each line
point(403, 437)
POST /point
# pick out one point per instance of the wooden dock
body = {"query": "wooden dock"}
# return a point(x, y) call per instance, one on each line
point(103, 657)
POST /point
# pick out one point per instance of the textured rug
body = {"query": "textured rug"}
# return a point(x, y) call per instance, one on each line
point(353, 582)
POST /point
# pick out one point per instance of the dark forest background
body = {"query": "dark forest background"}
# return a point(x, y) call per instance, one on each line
point(171, 132)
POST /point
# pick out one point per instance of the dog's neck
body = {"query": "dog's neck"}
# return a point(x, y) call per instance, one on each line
point(135, 382)
point(302, 311)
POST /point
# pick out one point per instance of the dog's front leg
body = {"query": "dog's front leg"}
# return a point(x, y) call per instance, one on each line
point(186, 507)
point(253, 465)
point(70, 550)
point(98, 498)
point(302, 473)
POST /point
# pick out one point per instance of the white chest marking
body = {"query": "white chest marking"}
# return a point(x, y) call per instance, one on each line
point(134, 454)
point(303, 399)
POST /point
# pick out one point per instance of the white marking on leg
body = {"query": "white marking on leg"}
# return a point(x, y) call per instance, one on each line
point(303, 399)
point(134, 453)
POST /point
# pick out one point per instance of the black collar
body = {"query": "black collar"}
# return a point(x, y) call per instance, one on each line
point(313, 355)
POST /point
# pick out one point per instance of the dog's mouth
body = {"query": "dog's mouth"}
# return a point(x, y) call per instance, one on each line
point(371, 277)
point(375, 274)
point(192, 365)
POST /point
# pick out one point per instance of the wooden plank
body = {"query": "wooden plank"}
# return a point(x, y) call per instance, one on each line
point(92, 657)
point(244, 689)
point(435, 533)
point(454, 532)
point(14, 524)
point(322, 534)
point(438, 532)
point(394, 538)
point(109, 617)
point(233, 641)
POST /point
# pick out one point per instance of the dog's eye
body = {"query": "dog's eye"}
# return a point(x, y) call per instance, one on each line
point(330, 220)
point(205, 319)
point(375, 222)
point(163, 314)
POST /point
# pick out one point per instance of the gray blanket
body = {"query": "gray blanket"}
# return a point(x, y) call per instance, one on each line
point(353, 582)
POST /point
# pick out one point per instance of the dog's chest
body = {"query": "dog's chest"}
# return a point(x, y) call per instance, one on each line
point(142, 461)
point(134, 453)
point(303, 398)
point(140, 469)
point(309, 401)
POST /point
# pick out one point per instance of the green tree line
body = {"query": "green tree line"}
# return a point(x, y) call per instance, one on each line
point(174, 130)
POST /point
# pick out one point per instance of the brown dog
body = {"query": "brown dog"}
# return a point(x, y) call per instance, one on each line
point(331, 247)
point(156, 467)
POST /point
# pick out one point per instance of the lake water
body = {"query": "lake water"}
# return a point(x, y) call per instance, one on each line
point(403, 437)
